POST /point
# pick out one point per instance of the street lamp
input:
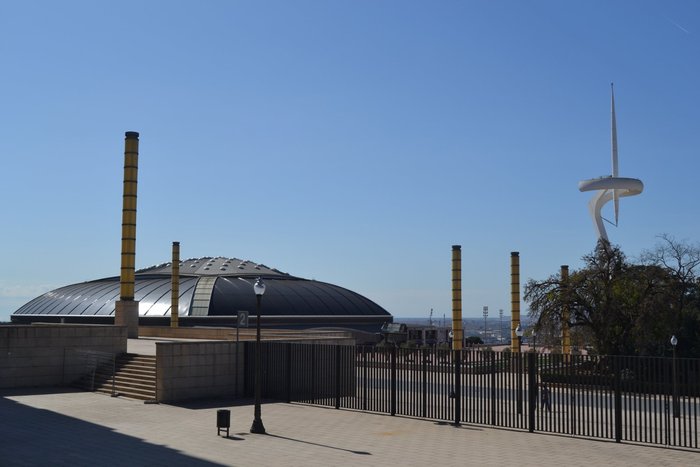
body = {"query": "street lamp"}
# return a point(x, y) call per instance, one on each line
point(486, 315)
point(258, 427)
point(519, 333)
point(676, 404)
point(500, 325)
point(519, 356)
point(534, 341)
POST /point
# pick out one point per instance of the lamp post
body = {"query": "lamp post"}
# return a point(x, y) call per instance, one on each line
point(486, 315)
point(500, 325)
point(534, 340)
point(519, 356)
point(258, 427)
point(676, 404)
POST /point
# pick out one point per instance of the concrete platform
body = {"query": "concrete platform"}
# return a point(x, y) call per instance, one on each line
point(62, 428)
point(147, 345)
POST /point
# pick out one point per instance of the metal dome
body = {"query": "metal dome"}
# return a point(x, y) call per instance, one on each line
point(212, 291)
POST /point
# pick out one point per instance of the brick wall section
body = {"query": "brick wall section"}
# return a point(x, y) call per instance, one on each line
point(44, 355)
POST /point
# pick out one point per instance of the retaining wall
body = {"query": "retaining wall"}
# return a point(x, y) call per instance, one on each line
point(50, 354)
point(194, 370)
point(191, 370)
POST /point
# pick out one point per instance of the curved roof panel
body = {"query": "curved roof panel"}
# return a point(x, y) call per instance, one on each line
point(210, 286)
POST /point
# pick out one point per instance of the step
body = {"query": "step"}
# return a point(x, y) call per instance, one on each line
point(137, 360)
point(146, 376)
point(138, 395)
point(132, 393)
point(134, 373)
point(135, 364)
point(135, 384)
point(135, 378)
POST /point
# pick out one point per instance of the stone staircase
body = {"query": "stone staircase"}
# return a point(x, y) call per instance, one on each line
point(134, 377)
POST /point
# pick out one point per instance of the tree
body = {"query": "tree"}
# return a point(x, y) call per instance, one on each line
point(622, 307)
point(473, 340)
point(681, 260)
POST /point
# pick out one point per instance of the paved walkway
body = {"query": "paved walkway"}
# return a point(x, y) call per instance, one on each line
point(63, 428)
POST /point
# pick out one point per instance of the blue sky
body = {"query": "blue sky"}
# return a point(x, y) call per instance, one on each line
point(348, 141)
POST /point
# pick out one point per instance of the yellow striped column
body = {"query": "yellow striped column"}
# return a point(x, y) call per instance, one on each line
point(175, 289)
point(565, 331)
point(131, 169)
point(127, 310)
point(514, 299)
point(457, 332)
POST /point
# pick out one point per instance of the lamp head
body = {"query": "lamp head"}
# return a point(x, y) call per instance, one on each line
point(259, 286)
point(519, 331)
point(674, 340)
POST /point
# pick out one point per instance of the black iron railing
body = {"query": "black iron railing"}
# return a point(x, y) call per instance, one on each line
point(635, 399)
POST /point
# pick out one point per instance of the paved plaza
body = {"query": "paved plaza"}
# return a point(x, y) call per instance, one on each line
point(65, 428)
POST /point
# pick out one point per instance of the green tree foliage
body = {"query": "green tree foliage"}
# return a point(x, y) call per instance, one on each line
point(473, 340)
point(625, 308)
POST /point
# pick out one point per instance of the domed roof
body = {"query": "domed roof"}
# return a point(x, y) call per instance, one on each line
point(209, 287)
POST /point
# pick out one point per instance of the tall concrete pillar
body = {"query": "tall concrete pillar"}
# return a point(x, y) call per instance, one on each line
point(565, 330)
point(457, 332)
point(175, 288)
point(127, 309)
point(514, 299)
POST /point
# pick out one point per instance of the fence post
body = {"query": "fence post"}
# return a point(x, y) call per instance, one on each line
point(424, 374)
point(519, 384)
point(493, 388)
point(618, 400)
point(337, 376)
point(458, 385)
point(393, 381)
point(313, 373)
point(288, 369)
point(63, 367)
point(246, 367)
point(365, 351)
point(532, 389)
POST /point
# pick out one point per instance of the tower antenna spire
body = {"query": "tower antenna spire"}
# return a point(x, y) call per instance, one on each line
point(613, 138)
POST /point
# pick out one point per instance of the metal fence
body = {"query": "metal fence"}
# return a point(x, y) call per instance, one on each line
point(637, 399)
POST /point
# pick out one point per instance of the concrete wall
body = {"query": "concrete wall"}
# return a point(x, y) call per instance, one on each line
point(194, 370)
point(52, 355)
point(227, 333)
point(191, 370)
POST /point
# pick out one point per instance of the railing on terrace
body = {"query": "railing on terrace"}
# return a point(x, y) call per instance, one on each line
point(636, 399)
point(88, 369)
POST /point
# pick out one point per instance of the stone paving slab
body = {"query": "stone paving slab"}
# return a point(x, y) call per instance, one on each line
point(63, 428)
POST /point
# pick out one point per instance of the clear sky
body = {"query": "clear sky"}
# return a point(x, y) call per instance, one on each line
point(352, 142)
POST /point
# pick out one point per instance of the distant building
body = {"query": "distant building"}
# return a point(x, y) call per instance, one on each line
point(400, 333)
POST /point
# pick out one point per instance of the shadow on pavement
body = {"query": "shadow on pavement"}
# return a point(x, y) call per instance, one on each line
point(214, 403)
point(364, 453)
point(31, 436)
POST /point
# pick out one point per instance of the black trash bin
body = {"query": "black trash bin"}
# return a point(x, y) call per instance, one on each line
point(223, 421)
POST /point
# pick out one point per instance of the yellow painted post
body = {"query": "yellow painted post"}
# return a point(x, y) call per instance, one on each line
point(126, 309)
point(514, 299)
point(175, 288)
point(457, 333)
point(131, 167)
point(565, 330)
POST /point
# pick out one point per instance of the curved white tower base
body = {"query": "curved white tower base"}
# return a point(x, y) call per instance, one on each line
point(608, 188)
point(611, 187)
